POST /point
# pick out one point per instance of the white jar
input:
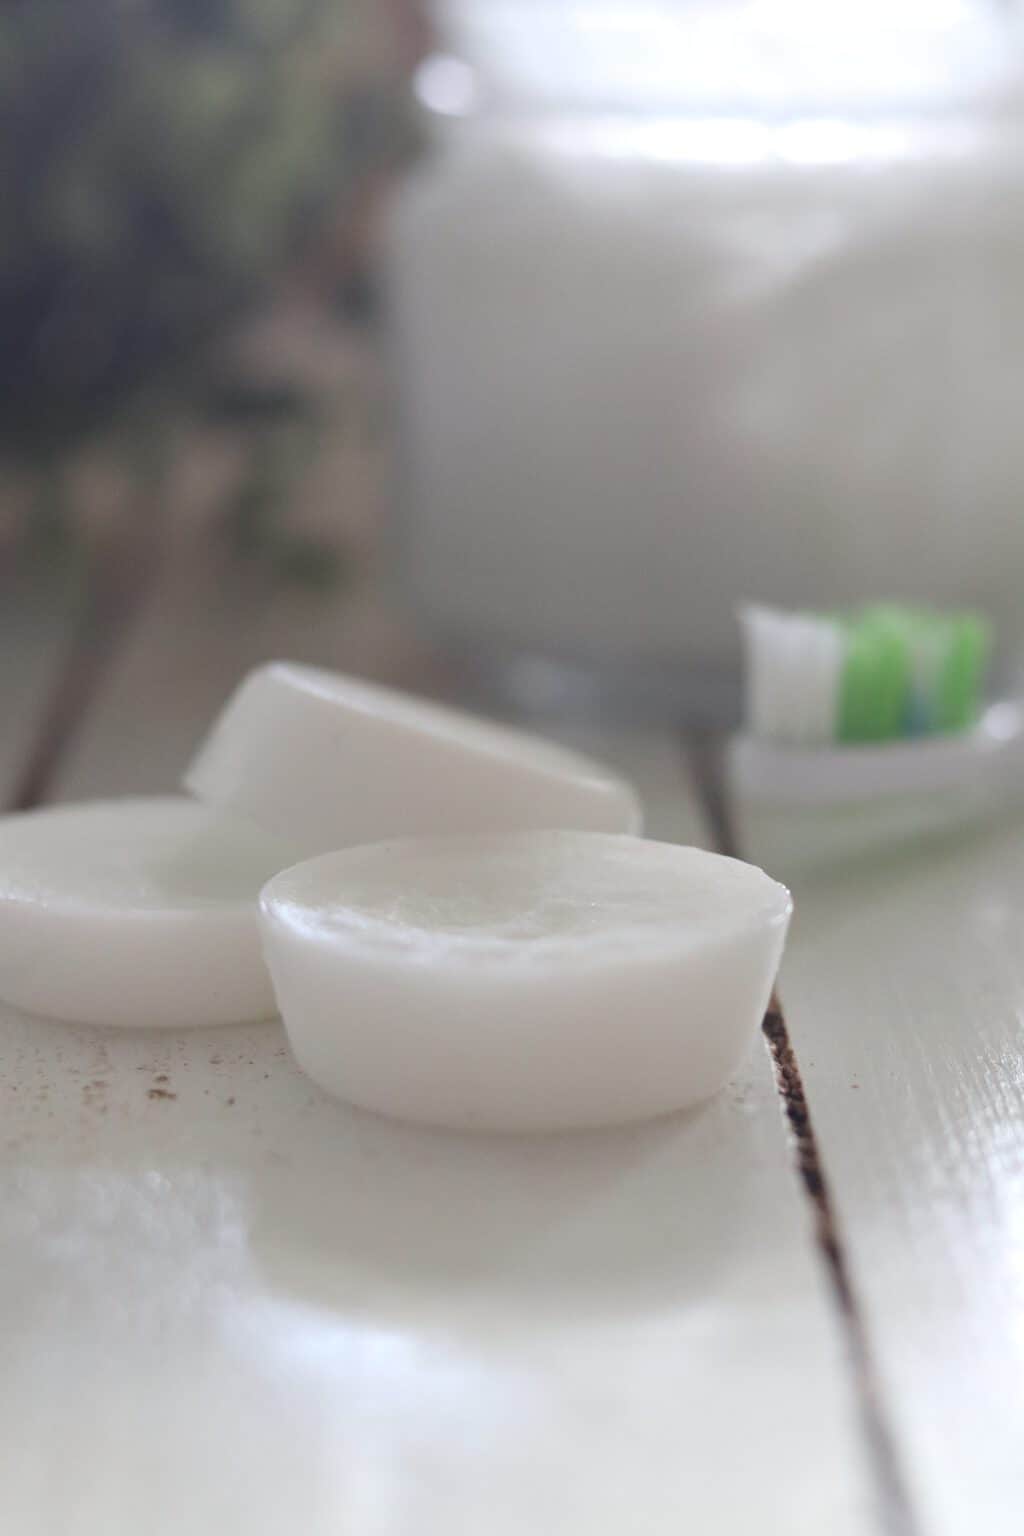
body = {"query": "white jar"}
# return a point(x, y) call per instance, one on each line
point(653, 363)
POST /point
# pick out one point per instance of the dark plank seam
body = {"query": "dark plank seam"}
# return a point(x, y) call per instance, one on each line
point(704, 759)
point(121, 574)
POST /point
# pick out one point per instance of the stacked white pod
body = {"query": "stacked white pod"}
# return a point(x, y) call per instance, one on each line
point(143, 912)
point(134, 912)
point(523, 982)
point(327, 761)
point(535, 967)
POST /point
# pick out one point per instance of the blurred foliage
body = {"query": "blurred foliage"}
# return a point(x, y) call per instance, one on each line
point(160, 161)
point(282, 428)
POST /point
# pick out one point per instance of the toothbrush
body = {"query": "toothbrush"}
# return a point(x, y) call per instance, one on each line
point(845, 708)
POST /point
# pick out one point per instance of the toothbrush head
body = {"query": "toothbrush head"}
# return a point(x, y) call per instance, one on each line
point(880, 674)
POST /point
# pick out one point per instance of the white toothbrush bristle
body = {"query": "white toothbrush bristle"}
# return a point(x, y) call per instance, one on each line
point(794, 664)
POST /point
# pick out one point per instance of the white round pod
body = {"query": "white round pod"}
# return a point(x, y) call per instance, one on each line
point(134, 912)
point(522, 981)
point(328, 761)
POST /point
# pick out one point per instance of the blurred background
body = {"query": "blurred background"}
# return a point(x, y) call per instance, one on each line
point(187, 191)
point(521, 337)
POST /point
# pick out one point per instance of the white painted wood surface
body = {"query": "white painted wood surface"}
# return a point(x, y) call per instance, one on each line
point(231, 1305)
point(903, 988)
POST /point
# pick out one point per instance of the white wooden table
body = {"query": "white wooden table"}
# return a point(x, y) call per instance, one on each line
point(228, 1304)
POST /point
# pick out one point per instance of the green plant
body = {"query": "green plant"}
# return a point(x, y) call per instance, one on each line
point(160, 161)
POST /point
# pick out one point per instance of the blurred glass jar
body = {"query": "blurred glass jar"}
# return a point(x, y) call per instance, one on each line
point(702, 303)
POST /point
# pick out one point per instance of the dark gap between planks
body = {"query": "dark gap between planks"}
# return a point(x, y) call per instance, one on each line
point(704, 759)
point(120, 576)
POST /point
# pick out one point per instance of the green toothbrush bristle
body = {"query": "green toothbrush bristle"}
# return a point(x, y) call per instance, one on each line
point(910, 672)
point(875, 682)
point(961, 677)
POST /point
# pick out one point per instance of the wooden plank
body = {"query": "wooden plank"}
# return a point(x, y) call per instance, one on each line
point(904, 993)
point(235, 1304)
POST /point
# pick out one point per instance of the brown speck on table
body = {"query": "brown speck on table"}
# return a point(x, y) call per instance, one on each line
point(161, 1077)
point(229, 1101)
point(160, 1093)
